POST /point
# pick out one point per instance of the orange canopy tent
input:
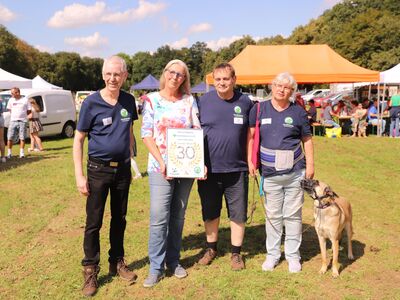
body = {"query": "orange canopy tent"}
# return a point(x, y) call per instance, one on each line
point(307, 63)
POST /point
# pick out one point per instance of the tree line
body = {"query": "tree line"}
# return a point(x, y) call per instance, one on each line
point(366, 32)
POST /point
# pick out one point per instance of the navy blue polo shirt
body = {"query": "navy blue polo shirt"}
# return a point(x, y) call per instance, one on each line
point(225, 124)
point(281, 131)
point(108, 126)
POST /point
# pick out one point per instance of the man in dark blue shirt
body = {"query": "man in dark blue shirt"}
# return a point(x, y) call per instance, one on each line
point(284, 129)
point(224, 120)
point(106, 118)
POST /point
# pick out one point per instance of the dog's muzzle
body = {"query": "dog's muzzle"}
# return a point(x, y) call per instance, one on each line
point(308, 185)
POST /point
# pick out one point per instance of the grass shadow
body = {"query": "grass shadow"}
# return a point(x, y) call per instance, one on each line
point(138, 264)
point(358, 252)
point(16, 162)
point(104, 279)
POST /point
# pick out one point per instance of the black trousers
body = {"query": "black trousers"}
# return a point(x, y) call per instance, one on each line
point(103, 180)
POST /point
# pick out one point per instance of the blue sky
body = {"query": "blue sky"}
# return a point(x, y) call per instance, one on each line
point(103, 28)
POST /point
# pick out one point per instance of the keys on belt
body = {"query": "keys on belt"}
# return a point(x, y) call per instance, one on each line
point(113, 164)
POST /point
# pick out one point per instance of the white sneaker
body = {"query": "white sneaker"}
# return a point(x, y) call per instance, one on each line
point(294, 265)
point(3, 159)
point(269, 264)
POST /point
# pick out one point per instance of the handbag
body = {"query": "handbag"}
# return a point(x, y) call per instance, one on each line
point(255, 151)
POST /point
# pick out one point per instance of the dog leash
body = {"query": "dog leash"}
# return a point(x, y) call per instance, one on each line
point(254, 202)
point(263, 199)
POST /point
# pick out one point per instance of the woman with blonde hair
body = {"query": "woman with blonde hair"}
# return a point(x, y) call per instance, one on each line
point(34, 127)
point(172, 107)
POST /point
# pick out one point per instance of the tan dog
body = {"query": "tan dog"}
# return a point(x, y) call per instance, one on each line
point(332, 214)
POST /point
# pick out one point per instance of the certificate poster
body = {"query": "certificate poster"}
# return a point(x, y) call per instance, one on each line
point(185, 153)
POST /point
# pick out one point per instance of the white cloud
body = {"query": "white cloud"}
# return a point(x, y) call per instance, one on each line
point(144, 10)
point(184, 42)
point(202, 27)
point(92, 42)
point(222, 42)
point(44, 48)
point(6, 15)
point(78, 15)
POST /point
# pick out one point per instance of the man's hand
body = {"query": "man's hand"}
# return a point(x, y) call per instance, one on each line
point(82, 185)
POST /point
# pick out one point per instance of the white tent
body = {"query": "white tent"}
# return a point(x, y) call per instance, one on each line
point(9, 80)
point(39, 83)
point(391, 76)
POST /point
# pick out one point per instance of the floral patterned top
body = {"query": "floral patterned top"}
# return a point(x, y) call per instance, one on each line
point(160, 114)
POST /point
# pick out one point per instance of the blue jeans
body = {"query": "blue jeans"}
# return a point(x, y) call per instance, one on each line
point(168, 202)
point(16, 129)
point(331, 122)
point(283, 202)
point(394, 125)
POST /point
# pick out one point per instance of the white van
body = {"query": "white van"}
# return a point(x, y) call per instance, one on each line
point(80, 96)
point(57, 110)
point(315, 93)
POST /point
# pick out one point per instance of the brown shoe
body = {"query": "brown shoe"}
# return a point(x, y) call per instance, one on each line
point(122, 270)
point(208, 257)
point(237, 262)
point(90, 276)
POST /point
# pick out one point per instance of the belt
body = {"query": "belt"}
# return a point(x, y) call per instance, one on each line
point(105, 163)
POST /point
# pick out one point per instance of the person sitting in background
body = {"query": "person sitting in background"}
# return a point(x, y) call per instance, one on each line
point(312, 112)
point(373, 116)
point(35, 126)
point(341, 109)
point(394, 104)
point(366, 103)
point(327, 114)
point(359, 124)
point(299, 101)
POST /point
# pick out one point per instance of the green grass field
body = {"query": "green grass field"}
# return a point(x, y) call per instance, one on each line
point(42, 217)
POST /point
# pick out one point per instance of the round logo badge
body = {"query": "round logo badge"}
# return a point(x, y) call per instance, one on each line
point(124, 113)
point(238, 110)
point(288, 120)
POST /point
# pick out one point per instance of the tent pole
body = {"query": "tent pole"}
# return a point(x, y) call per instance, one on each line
point(369, 91)
point(378, 131)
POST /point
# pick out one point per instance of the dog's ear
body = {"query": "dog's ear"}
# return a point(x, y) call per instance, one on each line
point(330, 193)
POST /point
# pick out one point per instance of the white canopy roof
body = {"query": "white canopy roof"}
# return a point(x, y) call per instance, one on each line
point(391, 76)
point(39, 83)
point(9, 80)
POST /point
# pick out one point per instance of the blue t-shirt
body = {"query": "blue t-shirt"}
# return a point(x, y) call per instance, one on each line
point(108, 126)
point(281, 131)
point(225, 124)
point(372, 110)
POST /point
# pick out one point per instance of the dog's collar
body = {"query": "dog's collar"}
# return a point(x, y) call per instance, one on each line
point(323, 206)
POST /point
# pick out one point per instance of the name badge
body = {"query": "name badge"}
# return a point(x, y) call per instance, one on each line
point(107, 121)
point(237, 120)
point(266, 121)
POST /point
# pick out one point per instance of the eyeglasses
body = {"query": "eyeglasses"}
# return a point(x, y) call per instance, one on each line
point(177, 74)
point(281, 86)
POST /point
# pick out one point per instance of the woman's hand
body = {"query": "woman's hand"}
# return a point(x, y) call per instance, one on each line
point(252, 169)
point(163, 170)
